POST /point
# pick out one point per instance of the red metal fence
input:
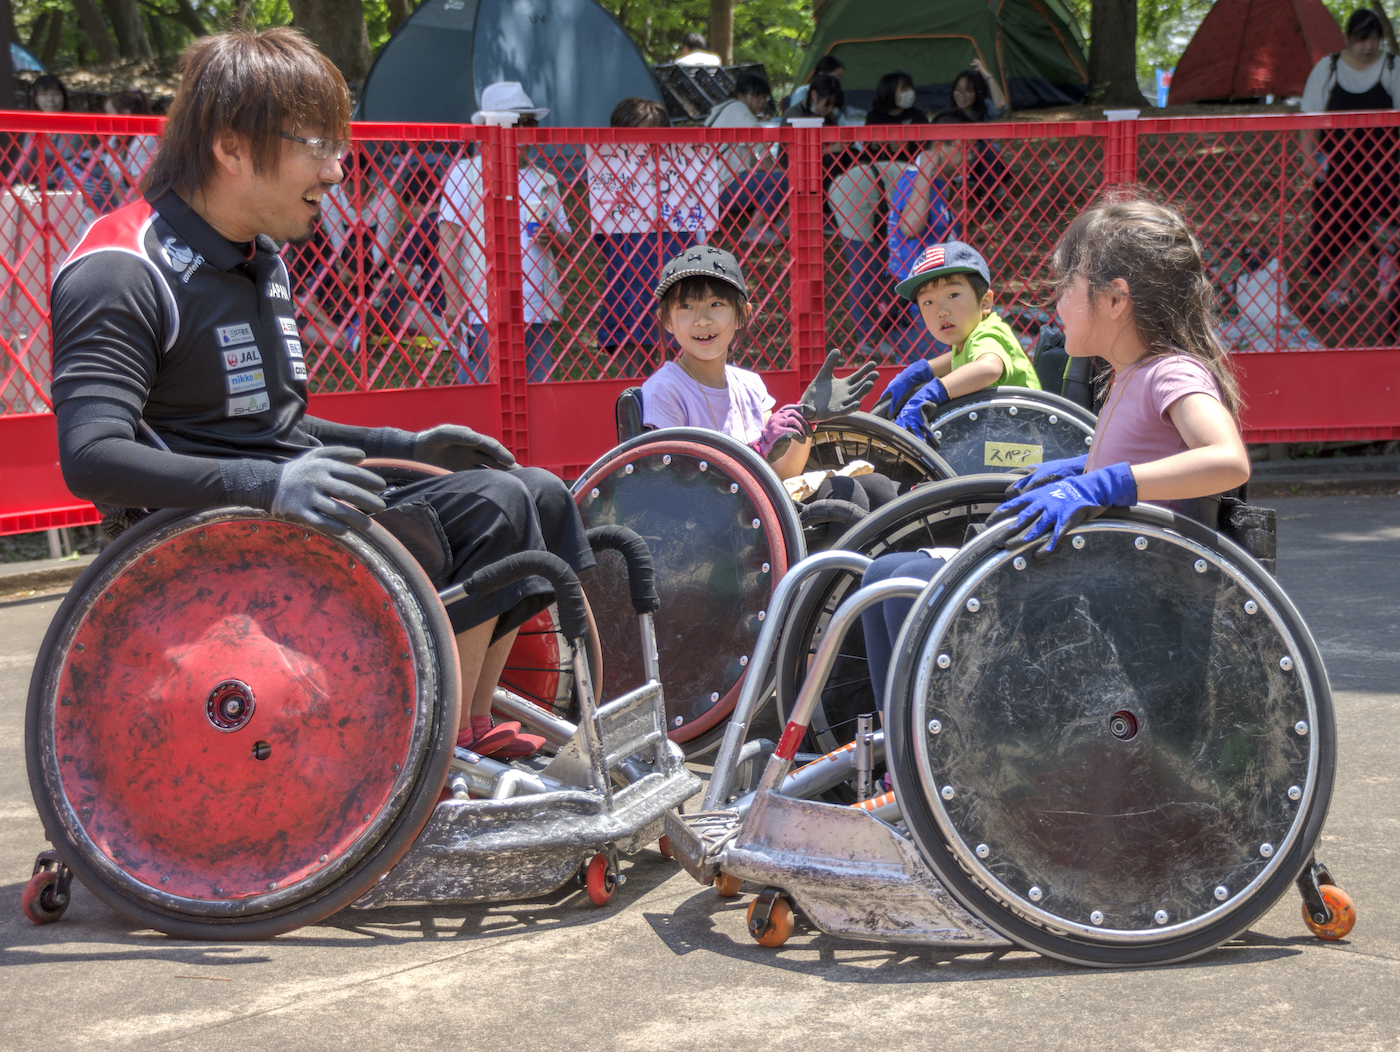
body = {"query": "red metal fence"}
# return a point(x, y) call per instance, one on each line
point(502, 277)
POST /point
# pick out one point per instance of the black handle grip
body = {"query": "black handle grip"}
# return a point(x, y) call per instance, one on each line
point(568, 593)
point(832, 510)
point(641, 574)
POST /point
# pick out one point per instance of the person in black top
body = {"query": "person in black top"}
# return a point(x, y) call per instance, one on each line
point(894, 103)
point(180, 379)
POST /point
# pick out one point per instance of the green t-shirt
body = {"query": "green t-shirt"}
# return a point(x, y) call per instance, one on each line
point(994, 336)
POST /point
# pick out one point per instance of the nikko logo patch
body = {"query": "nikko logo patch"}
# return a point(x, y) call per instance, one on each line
point(238, 383)
point(289, 326)
point(298, 370)
point(233, 335)
point(241, 357)
point(277, 291)
point(255, 403)
point(294, 349)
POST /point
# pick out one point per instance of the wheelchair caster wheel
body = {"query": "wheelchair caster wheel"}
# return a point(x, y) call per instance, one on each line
point(46, 896)
point(1343, 917)
point(600, 879)
point(727, 887)
point(776, 928)
point(664, 846)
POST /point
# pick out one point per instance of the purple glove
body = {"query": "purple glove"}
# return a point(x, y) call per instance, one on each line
point(1050, 471)
point(911, 379)
point(1063, 505)
point(783, 426)
point(911, 417)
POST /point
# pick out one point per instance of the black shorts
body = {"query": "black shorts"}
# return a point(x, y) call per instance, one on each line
point(487, 515)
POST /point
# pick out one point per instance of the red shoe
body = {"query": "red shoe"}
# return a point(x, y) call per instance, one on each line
point(504, 741)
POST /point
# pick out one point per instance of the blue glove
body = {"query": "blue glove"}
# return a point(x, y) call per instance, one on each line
point(911, 379)
point(911, 417)
point(1050, 471)
point(1066, 503)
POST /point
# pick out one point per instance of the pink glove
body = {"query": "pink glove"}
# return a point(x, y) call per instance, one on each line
point(783, 426)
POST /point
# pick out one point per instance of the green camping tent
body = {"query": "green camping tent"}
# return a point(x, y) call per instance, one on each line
point(1035, 47)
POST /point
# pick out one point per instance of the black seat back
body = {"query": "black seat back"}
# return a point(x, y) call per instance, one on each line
point(629, 414)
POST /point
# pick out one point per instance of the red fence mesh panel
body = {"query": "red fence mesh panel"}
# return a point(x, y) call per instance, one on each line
point(458, 267)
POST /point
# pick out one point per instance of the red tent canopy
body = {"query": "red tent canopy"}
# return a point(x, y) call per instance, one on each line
point(1248, 48)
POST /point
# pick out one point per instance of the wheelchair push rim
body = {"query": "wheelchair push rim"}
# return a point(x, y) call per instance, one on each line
point(1108, 774)
point(237, 724)
point(899, 455)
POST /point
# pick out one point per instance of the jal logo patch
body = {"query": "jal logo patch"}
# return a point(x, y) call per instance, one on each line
point(289, 326)
point(249, 405)
point(233, 335)
point(238, 383)
point(294, 349)
point(298, 370)
point(277, 291)
point(241, 357)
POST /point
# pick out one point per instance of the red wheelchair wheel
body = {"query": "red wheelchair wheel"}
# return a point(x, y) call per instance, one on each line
point(601, 880)
point(235, 725)
point(40, 900)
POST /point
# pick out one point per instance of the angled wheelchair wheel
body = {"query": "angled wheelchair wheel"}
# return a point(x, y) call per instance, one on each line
point(899, 455)
point(933, 516)
point(1003, 428)
point(237, 724)
point(540, 666)
point(1121, 755)
point(722, 532)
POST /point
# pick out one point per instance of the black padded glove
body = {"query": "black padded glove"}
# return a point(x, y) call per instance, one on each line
point(827, 397)
point(457, 448)
point(324, 488)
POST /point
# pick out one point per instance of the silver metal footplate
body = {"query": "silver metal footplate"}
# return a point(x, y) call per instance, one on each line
point(698, 839)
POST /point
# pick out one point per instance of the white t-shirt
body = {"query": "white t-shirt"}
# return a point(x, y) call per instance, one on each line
point(673, 398)
point(1356, 81)
point(540, 205)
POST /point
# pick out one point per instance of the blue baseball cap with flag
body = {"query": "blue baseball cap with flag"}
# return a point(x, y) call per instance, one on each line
point(951, 257)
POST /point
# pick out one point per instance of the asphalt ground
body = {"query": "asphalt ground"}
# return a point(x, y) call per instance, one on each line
point(669, 965)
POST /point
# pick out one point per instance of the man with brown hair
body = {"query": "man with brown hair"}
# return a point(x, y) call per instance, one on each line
point(179, 377)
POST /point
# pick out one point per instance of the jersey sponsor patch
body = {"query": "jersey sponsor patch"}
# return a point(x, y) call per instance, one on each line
point(298, 370)
point(289, 326)
point(238, 383)
point(241, 357)
point(180, 257)
point(277, 291)
point(294, 349)
point(249, 405)
point(233, 335)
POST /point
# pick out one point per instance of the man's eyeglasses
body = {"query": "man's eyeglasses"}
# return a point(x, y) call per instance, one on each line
point(322, 149)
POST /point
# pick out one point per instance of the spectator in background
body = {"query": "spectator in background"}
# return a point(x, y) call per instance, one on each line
point(824, 98)
point(894, 103)
point(977, 98)
point(414, 300)
point(462, 247)
point(694, 54)
point(1352, 168)
point(48, 95)
point(626, 311)
point(829, 65)
point(753, 181)
point(977, 95)
point(128, 156)
point(920, 217)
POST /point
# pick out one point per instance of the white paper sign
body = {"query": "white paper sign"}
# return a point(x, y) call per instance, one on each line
point(640, 188)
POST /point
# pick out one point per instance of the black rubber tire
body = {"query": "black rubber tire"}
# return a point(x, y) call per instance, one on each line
point(376, 861)
point(900, 735)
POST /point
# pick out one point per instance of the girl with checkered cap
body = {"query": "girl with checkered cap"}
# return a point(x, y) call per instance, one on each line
point(951, 286)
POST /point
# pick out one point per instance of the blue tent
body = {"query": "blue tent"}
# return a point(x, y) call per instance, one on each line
point(570, 55)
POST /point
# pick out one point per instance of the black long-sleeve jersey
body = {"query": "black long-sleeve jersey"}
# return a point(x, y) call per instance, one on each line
point(158, 318)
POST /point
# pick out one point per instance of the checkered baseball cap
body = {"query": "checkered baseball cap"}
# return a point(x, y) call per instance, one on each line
point(704, 261)
point(951, 257)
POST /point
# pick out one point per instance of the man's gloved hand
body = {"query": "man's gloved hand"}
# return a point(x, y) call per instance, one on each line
point(1050, 471)
point(827, 397)
point(1064, 504)
point(783, 426)
point(324, 488)
point(457, 448)
point(911, 417)
point(911, 379)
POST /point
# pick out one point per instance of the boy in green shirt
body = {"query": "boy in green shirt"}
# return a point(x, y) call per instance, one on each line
point(952, 287)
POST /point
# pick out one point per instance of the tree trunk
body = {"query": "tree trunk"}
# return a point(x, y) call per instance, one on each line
point(1113, 53)
point(39, 30)
point(9, 100)
point(53, 39)
point(131, 33)
point(399, 10)
point(184, 13)
point(337, 27)
point(722, 30)
point(96, 31)
point(819, 8)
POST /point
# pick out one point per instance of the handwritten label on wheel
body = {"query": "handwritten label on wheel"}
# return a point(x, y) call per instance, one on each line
point(1011, 454)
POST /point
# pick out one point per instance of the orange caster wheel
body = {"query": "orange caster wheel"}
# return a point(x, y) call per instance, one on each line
point(46, 896)
point(776, 928)
point(1343, 914)
point(727, 887)
point(664, 846)
point(600, 879)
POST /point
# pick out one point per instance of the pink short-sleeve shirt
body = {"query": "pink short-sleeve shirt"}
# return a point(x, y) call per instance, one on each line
point(673, 398)
point(1134, 425)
